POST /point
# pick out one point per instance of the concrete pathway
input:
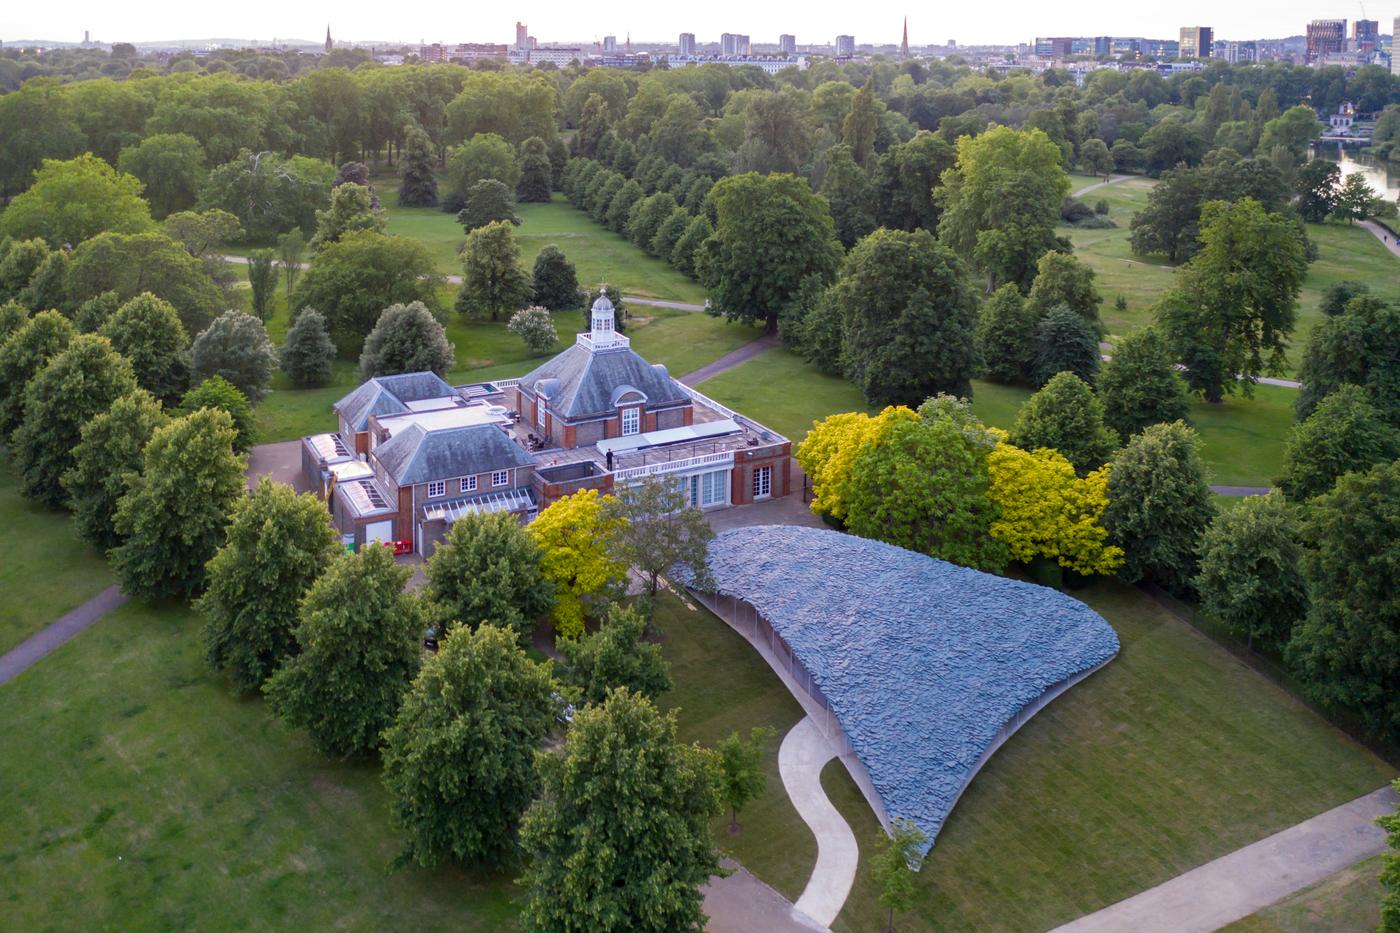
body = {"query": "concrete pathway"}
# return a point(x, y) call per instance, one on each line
point(740, 903)
point(731, 359)
point(1382, 234)
point(55, 634)
point(1236, 885)
point(1095, 187)
point(803, 754)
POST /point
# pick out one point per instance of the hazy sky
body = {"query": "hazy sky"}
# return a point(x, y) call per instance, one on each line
point(869, 21)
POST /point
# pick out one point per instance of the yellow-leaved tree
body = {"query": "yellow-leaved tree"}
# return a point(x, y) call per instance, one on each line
point(1048, 511)
point(829, 449)
point(575, 537)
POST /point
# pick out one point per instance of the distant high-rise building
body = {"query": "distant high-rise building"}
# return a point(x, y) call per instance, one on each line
point(1103, 46)
point(1326, 37)
point(1054, 47)
point(328, 37)
point(610, 43)
point(1195, 42)
point(1395, 52)
point(904, 43)
point(1365, 34)
point(845, 46)
point(787, 44)
point(522, 37)
point(687, 43)
point(733, 43)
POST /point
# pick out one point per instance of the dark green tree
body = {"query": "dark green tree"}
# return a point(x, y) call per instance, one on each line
point(94, 312)
point(669, 233)
point(352, 210)
point(218, 393)
point(1060, 279)
point(493, 281)
point(555, 282)
point(109, 450)
point(407, 339)
point(697, 232)
point(262, 280)
point(850, 194)
point(1170, 222)
point(146, 262)
point(148, 332)
point(487, 571)
point(171, 169)
point(417, 171)
point(1250, 576)
point(235, 347)
point(1338, 295)
point(742, 776)
point(487, 202)
point(907, 176)
point(619, 209)
point(1066, 416)
point(615, 656)
point(659, 532)
point(1356, 348)
point(858, 131)
point(1139, 386)
point(20, 264)
point(1317, 185)
point(48, 286)
point(647, 216)
point(536, 172)
point(13, 316)
point(1006, 336)
point(1065, 342)
point(1344, 433)
point(308, 354)
point(23, 354)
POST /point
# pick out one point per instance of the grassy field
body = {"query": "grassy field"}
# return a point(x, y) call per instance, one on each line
point(45, 569)
point(1172, 755)
point(1349, 900)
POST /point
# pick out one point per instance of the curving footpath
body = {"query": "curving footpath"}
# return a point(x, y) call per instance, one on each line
point(803, 754)
point(56, 634)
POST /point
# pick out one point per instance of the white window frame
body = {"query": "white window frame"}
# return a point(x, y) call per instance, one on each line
point(437, 489)
point(468, 484)
point(631, 418)
point(500, 478)
point(763, 482)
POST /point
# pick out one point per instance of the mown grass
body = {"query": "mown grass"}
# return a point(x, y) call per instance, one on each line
point(1170, 756)
point(1348, 900)
point(45, 569)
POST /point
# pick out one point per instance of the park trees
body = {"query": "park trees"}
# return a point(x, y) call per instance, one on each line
point(648, 216)
point(535, 328)
point(277, 544)
point(148, 332)
point(619, 207)
point(487, 202)
point(850, 195)
point(74, 200)
point(352, 209)
point(19, 264)
point(485, 157)
point(269, 194)
point(830, 447)
point(216, 392)
point(262, 280)
point(1139, 386)
point(555, 281)
point(1356, 347)
point(1062, 280)
point(742, 778)
point(1170, 222)
point(575, 537)
point(1316, 187)
point(417, 175)
point(1066, 416)
point(698, 231)
point(858, 129)
point(493, 280)
point(1005, 336)
point(13, 316)
point(407, 338)
point(1251, 577)
point(26, 351)
point(619, 838)
point(669, 233)
point(170, 167)
point(1233, 308)
point(290, 247)
point(891, 868)
point(1159, 505)
point(175, 510)
point(657, 531)
point(1344, 649)
point(1356, 200)
point(308, 353)
point(235, 347)
point(615, 656)
point(536, 182)
point(909, 317)
point(130, 264)
point(1291, 130)
point(48, 286)
point(1064, 342)
point(1001, 201)
point(109, 449)
point(511, 105)
point(1344, 433)
point(459, 756)
point(771, 232)
point(79, 381)
point(907, 175)
point(357, 651)
point(487, 570)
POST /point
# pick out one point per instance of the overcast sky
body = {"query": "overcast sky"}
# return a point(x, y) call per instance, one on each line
point(870, 21)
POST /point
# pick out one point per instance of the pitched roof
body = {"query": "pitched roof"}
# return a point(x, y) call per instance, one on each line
point(416, 454)
point(586, 380)
point(389, 395)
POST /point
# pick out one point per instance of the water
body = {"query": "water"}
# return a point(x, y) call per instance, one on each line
point(1383, 179)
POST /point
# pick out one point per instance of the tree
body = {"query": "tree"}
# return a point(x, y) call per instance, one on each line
point(742, 777)
point(615, 656)
point(94, 312)
point(907, 176)
point(1338, 295)
point(910, 314)
point(669, 233)
point(278, 543)
point(1316, 187)
point(1139, 386)
point(535, 327)
point(487, 202)
point(13, 316)
point(1344, 650)
point(555, 282)
point(268, 193)
point(290, 247)
point(79, 381)
point(417, 175)
point(1170, 222)
point(262, 279)
point(619, 837)
point(1095, 158)
point(173, 516)
point(1357, 348)
point(108, 451)
point(170, 167)
point(216, 392)
point(771, 232)
point(493, 280)
point(485, 156)
point(308, 352)
point(145, 262)
point(858, 129)
point(407, 339)
point(21, 262)
point(648, 216)
point(658, 532)
point(828, 451)
point(892, 868)
point(1292, 130)
point(922, 485)
point(1159, 506)
point(357, 651)
point(593, 124)
point(1237, 300)
point(1065, 342)
point(1250, 575)
point(48, 286)
point(697, 232)
point(459, 757)
point(487, 571)
point(74, 200)
point(619, 208)
point(1344, 433)
point(1001, 202)
point(235, 347)
point(352, 210)
point(536, 183)
point(575, 536)
point(354, 280)
point(1390, 872)
point(850, 195)
point(1169, 143)
point(1061, 279)
point(22, 355)
point(1066, 416)
point(1356, 200)
point(148, 332)
point(202, 233)
point(1006, 336)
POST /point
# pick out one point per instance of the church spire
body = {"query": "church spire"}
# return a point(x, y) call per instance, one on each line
point(904, 46)
point(328, 37)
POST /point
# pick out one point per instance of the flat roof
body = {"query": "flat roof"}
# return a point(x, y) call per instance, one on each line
point(688, 432)
point(345, 471)
point(443, 419)
point(433, 404)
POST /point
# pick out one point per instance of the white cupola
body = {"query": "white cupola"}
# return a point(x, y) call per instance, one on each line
point(602, 333)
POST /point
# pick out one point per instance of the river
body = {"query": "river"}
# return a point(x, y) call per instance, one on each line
point(1384, 181)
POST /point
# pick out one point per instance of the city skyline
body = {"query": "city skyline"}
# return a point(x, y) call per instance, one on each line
point(877, 23)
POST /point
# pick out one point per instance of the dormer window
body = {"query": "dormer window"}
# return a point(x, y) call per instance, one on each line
point(631, 421)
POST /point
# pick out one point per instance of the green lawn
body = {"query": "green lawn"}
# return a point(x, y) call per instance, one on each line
point(1172, 755)
point(45, 569)
point(1349, 900)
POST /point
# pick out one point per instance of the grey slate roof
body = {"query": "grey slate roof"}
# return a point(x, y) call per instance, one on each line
point(586, 380)
point(415, 455)
point(387, 395)
point(922, 661)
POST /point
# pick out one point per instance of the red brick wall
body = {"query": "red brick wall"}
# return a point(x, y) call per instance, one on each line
point(403, 522)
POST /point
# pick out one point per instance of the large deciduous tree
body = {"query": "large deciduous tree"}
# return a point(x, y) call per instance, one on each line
point(575, 536)
point(235, 347)
point(148, 332)
point(216, 392)
point(407, 339)
point(74, 200)
point(171, 168)
point(26, 351)
point(351, 210)
point(658, 532)
point(1006, 336)
point(555, 282)
point(493, 280)
point(486, 157)
point(615, 656)
point(269, 194)
point(1139, 386)
point(417, 171)
point(1356, 347)
point(1251, 577)
point(1344, 433)
point(130, 264)
point(109, 450)
point(487, 571)
point(1062, 280)
point(1066, 416)
point(487, 202)
point(850, 194)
